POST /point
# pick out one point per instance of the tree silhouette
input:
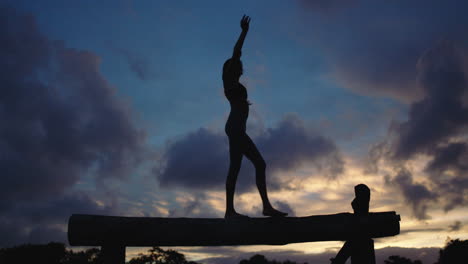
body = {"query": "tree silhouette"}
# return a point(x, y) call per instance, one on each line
point(158, 255)
point(89, 256)
point(56, 253)
point(257, 259)
point(454, 252)
point(400, 260)
point(260, 259)
point(52, 253)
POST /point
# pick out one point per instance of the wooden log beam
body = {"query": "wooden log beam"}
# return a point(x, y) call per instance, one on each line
point(95, 230)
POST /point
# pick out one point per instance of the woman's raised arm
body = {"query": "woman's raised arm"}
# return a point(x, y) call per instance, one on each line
point(244, 23)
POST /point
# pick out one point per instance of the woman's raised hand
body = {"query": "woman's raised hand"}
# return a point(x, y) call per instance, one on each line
point(244, 23)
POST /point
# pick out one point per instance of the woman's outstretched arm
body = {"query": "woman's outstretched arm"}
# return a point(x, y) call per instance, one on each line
point(244, 23)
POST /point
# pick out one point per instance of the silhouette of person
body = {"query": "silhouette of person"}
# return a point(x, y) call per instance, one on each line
point(240, 143)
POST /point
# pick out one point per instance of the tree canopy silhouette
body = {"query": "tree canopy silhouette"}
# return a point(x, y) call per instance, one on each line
point(52, 253)
point(56, 253)
point(454, 252)
point(88, 256)
point(156, 255)
point(400, 260)
point(260, 259)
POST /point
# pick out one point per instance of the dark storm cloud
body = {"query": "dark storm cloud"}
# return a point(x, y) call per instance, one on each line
point(197, 206)
point(291, 144)
point(435, 128)
point(456, 226)
point(417, 195)
point(382, 65)
point(451, 189)
point(441, 114)
point(60, 121)
point(396, 49)
point(453, 157)
point(45, 220)
point(373, 46)
point(197, 160)
point(200, 159)
point(448, 172)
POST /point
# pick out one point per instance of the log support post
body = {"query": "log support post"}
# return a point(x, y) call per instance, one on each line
point(113, 253)
point(361, 247)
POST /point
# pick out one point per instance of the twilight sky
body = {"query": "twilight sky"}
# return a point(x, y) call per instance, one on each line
point(117, 107)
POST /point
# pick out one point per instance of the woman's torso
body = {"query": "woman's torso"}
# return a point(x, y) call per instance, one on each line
point(236, 93)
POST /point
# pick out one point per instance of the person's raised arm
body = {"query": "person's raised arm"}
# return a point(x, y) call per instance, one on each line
point(244, 23)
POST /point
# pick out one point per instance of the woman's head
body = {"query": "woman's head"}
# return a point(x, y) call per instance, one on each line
point(232, 68)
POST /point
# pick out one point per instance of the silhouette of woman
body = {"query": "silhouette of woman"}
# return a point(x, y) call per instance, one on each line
point(239, 142)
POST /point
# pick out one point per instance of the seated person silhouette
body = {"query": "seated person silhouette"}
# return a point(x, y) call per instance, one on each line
point(240, 143)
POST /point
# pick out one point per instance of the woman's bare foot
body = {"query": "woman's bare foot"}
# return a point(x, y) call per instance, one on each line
point(273, 212)
point(234, 215)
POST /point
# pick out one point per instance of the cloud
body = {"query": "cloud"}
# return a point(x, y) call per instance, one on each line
point(382, 67)
point(453, 157)
point(435, 129)
point(456, 226)
point(197, 160)
point(290, 144)
point(379, 58)
point(196, 206)
point(420, 230)
point(200, 159)
point(440, 114)
point(45, 220)
point(408, 55)
point(417, 195)
point(61, 120)
point(138, 64)
point(447, 170)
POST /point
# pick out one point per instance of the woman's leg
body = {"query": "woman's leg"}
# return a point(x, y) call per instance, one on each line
point(235, 160)
point(252, 153)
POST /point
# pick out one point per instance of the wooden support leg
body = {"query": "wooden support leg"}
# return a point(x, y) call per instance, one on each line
point(113, 254)
point(363, 251)
point(343, 254)
point(360, 247)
